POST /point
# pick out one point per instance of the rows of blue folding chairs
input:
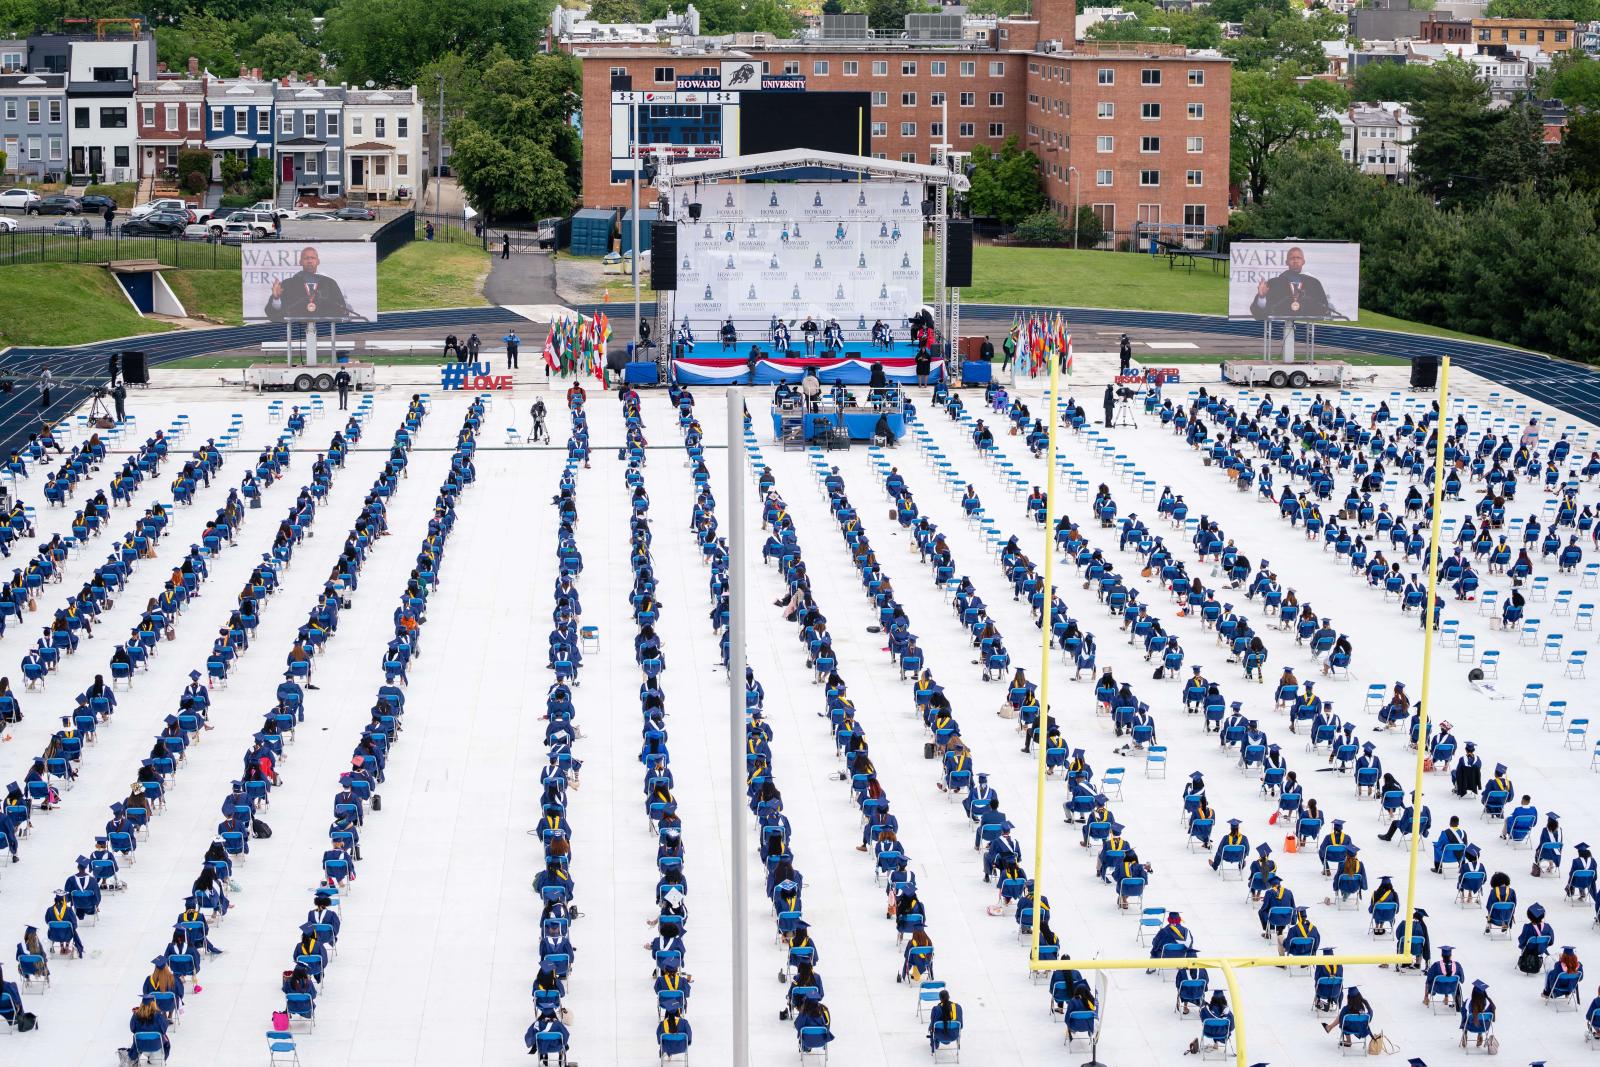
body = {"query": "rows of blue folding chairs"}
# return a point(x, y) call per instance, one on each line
point(804, 1006)
point(317, 947)
point(208, 902)
point(547, 1036)
point(1071, 996)
point(100, 871)
point(880, 827)
point(55, 770)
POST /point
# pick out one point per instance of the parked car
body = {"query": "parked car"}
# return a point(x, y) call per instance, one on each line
point(158, 205)
point(316, 216)
point(203, 231)
point(18, 199)
point(73, 227)
point(271, 208)
point(59, 204)
point(256, 223)
point(157, 224)
point(95, 204)
point(354, 213)
point(7, 225)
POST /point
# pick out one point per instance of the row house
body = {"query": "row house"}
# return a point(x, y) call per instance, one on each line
point(101, 78)
point(33, 124)
point(383, 130)
point(239, 121)
point(1377, 138)
point(310, 140)
point(171, 117)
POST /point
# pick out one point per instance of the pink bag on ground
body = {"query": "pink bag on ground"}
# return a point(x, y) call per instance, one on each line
point(280, 1020)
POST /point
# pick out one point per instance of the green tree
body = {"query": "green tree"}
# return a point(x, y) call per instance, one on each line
point(194, 169)
point(1465, 151)
point(1239, 10)
point(998, 8)
point(509, 178)
point(1272, 39)
point(616, 11)
point(1407, 83)
point(1091, 227)
point(203, 36)
point(1005, 185)
point(281, 52)
point(1271, 111)
point(1574, 79)
point(389, 41)
point(262, 178)
point(1578, 160)
point(1043, 228)
point(890, 14)
point(513, 147)
point(233, 171)
point(1178, 27)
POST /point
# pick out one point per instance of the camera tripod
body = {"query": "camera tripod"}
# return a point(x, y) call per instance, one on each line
point(1124, 415)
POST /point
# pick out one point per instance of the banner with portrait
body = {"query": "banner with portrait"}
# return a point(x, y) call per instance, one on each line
point(851, 251)
point(1294, 280)
point(301, 281)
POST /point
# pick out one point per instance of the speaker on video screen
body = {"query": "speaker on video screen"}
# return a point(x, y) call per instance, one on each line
point(134, 371)
point(664, 256)
point(958, 254)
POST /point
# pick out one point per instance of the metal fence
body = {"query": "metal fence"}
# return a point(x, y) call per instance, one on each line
point(94, 246)
point(392, 235)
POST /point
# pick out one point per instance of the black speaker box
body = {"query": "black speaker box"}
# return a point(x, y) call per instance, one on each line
point(1425, 372)
point(134, 369)
point(958, 254)
point(663, 256)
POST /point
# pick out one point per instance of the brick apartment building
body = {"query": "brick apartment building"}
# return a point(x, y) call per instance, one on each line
point(1139, 132)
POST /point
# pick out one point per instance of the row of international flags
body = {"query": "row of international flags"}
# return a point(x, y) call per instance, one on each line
point(577, 345)
point(1040, 339)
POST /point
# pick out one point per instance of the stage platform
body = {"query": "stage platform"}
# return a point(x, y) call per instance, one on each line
point(851, 370)
point(854, 348)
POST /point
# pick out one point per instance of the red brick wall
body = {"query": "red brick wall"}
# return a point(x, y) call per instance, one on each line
point(1063, 116)
point(1008, 114)
point(1065, 113)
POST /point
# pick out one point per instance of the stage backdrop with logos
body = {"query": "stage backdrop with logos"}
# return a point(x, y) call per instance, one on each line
point(327, 281)
point(846, 250)
point(1294, 280)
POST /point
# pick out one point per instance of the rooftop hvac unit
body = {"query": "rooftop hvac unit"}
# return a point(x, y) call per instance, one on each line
point(933, 27)
point(845, 27)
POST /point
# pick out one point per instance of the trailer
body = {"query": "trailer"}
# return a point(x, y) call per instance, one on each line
point(1279, 375)
point(264, 377)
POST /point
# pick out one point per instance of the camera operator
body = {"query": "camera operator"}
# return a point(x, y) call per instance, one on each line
point(1110, 403)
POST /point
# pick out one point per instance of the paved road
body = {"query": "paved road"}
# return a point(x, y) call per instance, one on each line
point(521, 279)
point(1569, 387)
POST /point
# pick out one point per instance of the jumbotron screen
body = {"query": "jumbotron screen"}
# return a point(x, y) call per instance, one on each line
point(826, 122)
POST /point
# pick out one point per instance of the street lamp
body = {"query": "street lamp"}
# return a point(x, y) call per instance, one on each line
point(438, 154)
point(1077, 203)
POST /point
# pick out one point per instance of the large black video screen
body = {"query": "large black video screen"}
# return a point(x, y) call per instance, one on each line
point(828, 122)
